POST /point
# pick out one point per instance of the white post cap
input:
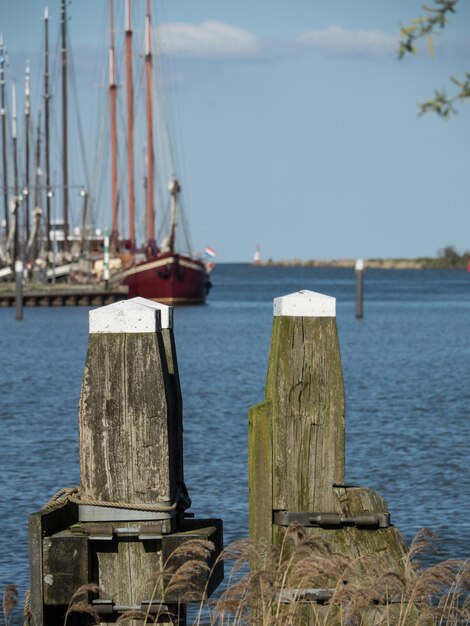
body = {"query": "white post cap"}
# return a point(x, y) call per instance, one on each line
point(166, 312)
point(359, 265)
point(305, 304)
point(136, 315)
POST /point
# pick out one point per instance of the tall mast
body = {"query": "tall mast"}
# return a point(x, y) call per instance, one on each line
point(47, 129)
point(65, 174)
point(15, 171)
point(112, 100)
point(27, 113)
point(3, 112)
point(150, 153)
point(130, 122)
point(37, 194)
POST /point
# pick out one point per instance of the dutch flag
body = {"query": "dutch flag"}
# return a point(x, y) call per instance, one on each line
point(209, 252)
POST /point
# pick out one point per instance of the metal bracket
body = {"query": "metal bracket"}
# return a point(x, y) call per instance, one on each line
point(346, 486)
point(305, 596)
point(106, 532)
point(107, 607)
point(362, 521)
point(323, 596)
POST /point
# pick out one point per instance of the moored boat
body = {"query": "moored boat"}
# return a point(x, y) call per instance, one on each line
point(170, 278)
point(158, 270)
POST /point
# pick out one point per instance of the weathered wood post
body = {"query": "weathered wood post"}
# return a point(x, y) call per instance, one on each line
point(297, 442)
point(121, 527)
point(127, 439)
point(359, 272)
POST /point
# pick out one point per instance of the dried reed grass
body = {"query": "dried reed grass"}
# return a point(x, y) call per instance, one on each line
point(10, 600)
point(361, 592)
point(79, 602)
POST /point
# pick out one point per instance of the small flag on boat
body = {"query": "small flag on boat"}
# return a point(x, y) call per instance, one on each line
point(210, 252)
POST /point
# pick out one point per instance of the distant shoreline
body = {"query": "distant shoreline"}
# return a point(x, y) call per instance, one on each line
point(384, 264)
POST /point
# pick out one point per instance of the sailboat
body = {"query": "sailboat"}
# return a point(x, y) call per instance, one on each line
point(157, 271)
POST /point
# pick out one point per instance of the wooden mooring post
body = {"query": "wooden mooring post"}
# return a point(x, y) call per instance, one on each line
point(19, 290)
point(120, 529)
point(359, 272)
point(297, 448)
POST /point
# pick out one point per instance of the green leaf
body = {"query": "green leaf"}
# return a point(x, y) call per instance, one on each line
point(431, 49)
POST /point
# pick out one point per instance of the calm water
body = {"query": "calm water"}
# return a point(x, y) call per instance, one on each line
point(406, 368)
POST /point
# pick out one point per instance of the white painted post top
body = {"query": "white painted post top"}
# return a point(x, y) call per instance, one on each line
point(166, 312)
point(136, 315)
point(305, 304)
point(359, 265)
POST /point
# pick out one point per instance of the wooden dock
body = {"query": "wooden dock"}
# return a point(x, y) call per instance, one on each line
point(38, 295)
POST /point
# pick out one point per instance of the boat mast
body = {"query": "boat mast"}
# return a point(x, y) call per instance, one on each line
point(33, 239)
point(150, 153)
point(112, 100)
point(130, 123)
point(174, 188)
point(47, 130)
point(27, 112)
point(65, 174)
point(14, 139)
point(37, 195)
point(3, 112)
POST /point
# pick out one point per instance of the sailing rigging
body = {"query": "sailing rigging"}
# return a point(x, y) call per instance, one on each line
point(38, 227)
point(43, 239)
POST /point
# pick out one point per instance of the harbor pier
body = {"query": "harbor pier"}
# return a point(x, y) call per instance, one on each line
point(61, 294)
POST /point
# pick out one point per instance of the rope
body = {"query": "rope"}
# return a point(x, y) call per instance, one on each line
point(72, 494)
point(26, 610)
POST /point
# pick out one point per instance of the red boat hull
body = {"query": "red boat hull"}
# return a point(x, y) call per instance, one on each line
point(168, 278)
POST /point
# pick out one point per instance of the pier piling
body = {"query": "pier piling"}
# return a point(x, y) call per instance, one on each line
point(19, 290)
point(297, 445)
point(119, 530)
point(359, 272)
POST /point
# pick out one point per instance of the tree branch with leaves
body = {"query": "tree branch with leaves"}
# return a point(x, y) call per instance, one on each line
point(434, 17)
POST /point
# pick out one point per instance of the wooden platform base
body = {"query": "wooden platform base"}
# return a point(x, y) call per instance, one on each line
point(63, 295)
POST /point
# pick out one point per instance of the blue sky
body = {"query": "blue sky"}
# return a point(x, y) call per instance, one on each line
point(296, 126)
